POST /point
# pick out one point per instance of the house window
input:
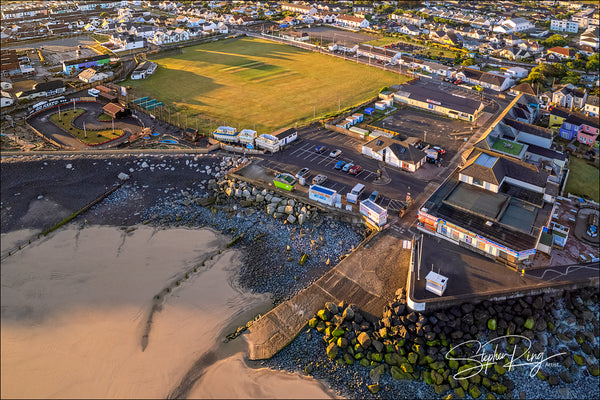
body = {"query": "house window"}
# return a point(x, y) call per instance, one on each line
point(477, 182)
point(567, 125)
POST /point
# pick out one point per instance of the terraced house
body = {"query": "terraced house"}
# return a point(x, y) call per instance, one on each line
point(495, 82)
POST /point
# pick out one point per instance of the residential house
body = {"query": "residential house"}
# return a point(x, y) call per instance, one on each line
point(528, 133)
point(583, 18)
point(411, 30)
point(576, 125)
point(591, 106)
point(531, 46)
point(244, 20)
point(522, 87)
point(485, 79)
point(562, 52)
point(352, 21)
point(408, 19)
point(363, 9)
point(395, 153)
point(517, 72)
point(296, 36)
point(43, 89)
point(285, 135)
point(590, 38)
point(569, 96)
point(299, 8)
point(513, 53)
point(563, 25)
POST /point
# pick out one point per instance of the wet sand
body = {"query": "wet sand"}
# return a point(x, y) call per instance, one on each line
point(75, 305)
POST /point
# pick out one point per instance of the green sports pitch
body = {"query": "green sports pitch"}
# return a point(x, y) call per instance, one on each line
point(257, 84)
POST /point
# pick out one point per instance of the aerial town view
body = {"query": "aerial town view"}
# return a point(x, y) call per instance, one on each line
point(304, 199)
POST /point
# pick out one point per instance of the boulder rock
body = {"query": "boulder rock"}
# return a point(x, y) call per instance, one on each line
point(332, 350)
point(332, 307)
point(348, 314)
point(364, 339)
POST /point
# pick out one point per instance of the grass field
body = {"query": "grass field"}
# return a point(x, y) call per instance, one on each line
point(93, 137)
point(257, 84)
point(583, 179)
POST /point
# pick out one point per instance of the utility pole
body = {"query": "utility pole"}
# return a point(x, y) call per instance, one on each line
point(178, 121)
point(84, 131)
point(59, 114)
point(113, 125)
point(314, 112)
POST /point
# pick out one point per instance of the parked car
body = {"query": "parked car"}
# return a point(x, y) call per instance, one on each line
point(317, 180)
point(418, 144)
point(335, 153)
point(339, 165)
point(304, 172)
point(320, 149)
point(347, 166)
point(355, 170)
point(439, 149)
point(374, 196)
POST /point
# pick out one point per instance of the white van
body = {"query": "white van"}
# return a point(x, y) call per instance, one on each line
point(355, 193)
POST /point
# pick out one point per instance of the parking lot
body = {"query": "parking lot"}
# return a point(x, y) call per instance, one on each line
point(301, 153)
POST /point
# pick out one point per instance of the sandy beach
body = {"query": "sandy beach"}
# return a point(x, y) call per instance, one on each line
point(75, 306)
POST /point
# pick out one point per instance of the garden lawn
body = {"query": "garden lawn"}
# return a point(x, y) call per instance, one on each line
point(93, 137)
point(257, 84)
point(583, 179)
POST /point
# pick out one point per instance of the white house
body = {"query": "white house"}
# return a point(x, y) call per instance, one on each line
point(6, 101)
point(298, 8)
point(517, 72)
point(519, 24)
point(352, 21)
point(563, 25)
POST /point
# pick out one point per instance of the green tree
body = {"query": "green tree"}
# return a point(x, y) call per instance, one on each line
point(555, 40)
point(593, 63)
point(468, 62)
point(571, 77)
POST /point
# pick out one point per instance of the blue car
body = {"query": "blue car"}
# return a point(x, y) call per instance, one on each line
point(320, 149)
point(347, 167)
point(340, 164)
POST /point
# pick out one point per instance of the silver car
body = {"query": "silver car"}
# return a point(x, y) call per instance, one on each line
point(317, 180)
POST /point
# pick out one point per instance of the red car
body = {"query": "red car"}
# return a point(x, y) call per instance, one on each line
point(439, 149)
point(355, 170)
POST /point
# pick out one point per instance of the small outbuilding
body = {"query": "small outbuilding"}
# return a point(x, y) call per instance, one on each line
point(116, 111)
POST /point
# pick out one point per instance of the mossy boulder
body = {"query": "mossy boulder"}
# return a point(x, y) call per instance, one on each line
point(498, 388)
point(406, 367)
point(490, 396)
point(453, 364)
point(377, 357)
point(312, 323)
point(464, 383)
point(529, 323)
point(321, 327)
point(393, 359)
point(486, 382)
point(474, 392)
point(593, 369)
point(324, 315)
point(412, 358)
point(348, 359)
point(364, 362)
point(358, 356)
point(491, 324)
point(337, 332)
point(437, 365)
point(500, 370)
point(437, 377)
point(541, 375)
point(427, 377)
point(459, 393)
point(398, 374)
point(376, 372)
point(439, 389)
point(332, 351)
point(578, 359)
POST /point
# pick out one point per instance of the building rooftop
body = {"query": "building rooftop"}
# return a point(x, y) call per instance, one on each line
point(447, 100)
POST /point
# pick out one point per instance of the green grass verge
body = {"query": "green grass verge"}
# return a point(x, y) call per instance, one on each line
point(583, 179)
point(93, 137)
point(257, 84)
point(104, 117)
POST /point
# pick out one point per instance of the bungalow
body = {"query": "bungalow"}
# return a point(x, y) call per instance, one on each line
point(296, 36)
point(243, 20)
point(395, 153)
point(485, 79)
point(517, 72)
point(522, 87)
point(569, 96)
point(43, 89)
point(378, 53)
point(519, 24)
point(144, 70)
point(439, 102)
point(285, 135)
point(352, 21)
point(562, 52)
point(531, 46)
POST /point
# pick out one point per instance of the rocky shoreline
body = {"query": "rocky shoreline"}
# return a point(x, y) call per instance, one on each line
point(406, 354)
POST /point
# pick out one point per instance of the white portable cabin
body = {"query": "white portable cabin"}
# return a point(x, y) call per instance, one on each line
point(267, 142)
point(436, 283)
point(322, 194)
point(226, 134)
point(247, 136)
point(373, 212)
